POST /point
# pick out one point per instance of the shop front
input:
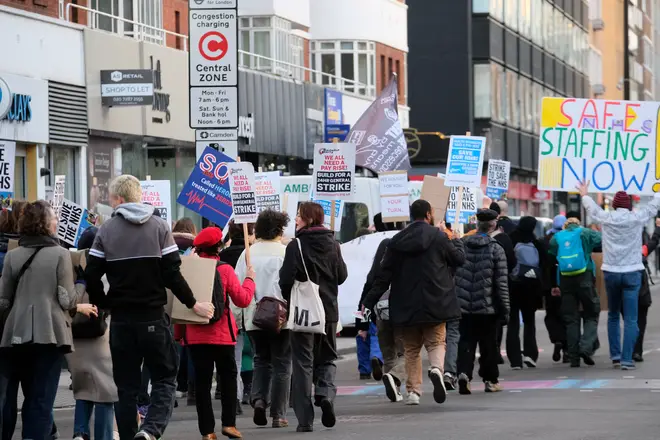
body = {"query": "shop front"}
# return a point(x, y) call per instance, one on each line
point(24, 123)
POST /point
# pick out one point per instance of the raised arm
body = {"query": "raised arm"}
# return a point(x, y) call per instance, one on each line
point(241, 295)
point(646, 212)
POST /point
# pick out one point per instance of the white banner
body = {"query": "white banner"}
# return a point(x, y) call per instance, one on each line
point(268, 191)
point(334, 171)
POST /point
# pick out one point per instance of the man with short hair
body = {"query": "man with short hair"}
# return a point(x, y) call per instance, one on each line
point(483, 294)
point(137, 252)
point(417, 266)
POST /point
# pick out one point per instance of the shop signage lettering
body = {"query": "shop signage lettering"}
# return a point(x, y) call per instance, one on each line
point(20, 109)
point(161, 100)
point(246, 127)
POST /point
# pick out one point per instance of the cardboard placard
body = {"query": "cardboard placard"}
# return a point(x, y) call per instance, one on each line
point(13, 244)
point(200, 275)
point(394, 206)
point(436, 193)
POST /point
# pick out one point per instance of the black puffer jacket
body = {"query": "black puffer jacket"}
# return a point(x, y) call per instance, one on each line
point(481, 283)
point(418, 264)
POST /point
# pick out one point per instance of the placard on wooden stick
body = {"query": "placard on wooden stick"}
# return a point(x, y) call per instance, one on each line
point(436, 193)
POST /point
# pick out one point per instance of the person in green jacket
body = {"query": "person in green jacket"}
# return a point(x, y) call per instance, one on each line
point(576, 290)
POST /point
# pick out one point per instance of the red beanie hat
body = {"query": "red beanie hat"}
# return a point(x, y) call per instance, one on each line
point(622, 200)
point(208, 237)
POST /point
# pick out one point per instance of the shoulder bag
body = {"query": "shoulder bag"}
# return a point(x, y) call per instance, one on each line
point(306, 313)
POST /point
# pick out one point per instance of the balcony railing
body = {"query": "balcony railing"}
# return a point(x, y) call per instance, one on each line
point(143, 32)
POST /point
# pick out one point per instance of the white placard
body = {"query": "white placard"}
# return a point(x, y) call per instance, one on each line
point(468, 208)
point(497, 180)
point(157, 194)
point(58, 194)
point(243, 195)
point(268, 191)
point(290, 206)
point(465, 161)
point(394, 205)
point(334, 171)
point(70, 222)
point(213, 48)
point(7, 161)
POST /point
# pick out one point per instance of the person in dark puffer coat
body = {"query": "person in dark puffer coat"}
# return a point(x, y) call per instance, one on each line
point(483, 295)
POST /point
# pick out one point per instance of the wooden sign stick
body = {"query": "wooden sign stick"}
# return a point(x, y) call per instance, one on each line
point(245, 236)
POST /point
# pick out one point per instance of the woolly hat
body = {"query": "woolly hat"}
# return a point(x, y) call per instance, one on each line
point(495, 207)
point(486, 215)
point(622, 200)
point(208, 237)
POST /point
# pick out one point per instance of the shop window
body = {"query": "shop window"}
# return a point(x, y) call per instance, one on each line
point(19, 178)
point(63, 163)
point(352, 61)
point(482, 92)
point(512, 93)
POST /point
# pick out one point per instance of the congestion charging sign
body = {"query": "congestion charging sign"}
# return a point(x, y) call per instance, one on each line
point(213, 64)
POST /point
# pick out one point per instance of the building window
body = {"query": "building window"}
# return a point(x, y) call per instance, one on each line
point(595, 67)
point(383, 77)
point(648, 53)
point(537, 21)
point(397, 69)
point(512, 94)
point(511, 14)
point(150, 12)
point(480, 6)
point(177, 28)
point(525, 18)
point(271, 46)
point(349, 66)
point(497, 9)
point(482, 92)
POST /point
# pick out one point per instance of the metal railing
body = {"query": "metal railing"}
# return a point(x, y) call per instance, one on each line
point(126, 27)
point(144, 32)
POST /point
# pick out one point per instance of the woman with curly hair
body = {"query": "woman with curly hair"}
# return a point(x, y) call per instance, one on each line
point(272, 352)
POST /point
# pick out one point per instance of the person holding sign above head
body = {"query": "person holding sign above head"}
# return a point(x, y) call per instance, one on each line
point(622, 265)
point(213, 344)
point(418, 269)
point(137, 252)
point(310, 276)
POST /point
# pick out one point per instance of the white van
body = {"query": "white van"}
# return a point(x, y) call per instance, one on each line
point(359, 210)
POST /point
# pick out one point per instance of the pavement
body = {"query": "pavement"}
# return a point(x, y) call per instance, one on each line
point(551, 402)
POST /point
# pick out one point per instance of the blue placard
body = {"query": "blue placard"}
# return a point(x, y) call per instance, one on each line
point(465, 161)
point(465, 217)
point(86, 221)
point(495, 193)
point(336, 131)
point(207, 190)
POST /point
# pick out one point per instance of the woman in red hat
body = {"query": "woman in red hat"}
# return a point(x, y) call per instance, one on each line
point(213, 344)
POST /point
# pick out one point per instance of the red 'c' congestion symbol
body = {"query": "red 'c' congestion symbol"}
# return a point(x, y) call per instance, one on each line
point(213, 46)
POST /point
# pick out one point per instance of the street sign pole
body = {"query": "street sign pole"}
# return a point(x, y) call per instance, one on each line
point(213, 74)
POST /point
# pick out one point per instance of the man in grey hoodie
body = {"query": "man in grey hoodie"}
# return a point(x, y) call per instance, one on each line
point(136, 251)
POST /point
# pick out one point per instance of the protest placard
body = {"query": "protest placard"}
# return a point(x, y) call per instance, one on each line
point(73, 221)
point(468, 209)
point(334, 171)
point(268, 191)
point(243, 196)
point(611, 143)
point(465, 161)
point(157, 194)
point(207, 189)
point(436, 193)
point(58, 194)
point(394, 205)
point(497, 180)
point(327, 213)
point(7, 161)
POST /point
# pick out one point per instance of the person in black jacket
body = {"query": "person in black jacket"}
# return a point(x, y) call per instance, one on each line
point(526, 287)
point(231, 253)
point(314, 355)
point(649, 245)
point(417, 267)
point(390, 339)
point(554, 321)
point(483, 295)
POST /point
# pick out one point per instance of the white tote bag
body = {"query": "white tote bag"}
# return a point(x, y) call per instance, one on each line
point(306, 313)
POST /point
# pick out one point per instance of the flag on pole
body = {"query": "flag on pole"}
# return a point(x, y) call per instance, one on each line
point(381, 145)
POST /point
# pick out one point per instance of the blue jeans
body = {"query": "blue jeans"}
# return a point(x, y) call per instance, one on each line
point(453, 336)
point(366, 350)
point(103, 419)
point(622, 292)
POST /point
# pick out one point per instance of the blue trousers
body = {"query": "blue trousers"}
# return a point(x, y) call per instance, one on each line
point(622, 292)
point(366, 350)
point(103, 419)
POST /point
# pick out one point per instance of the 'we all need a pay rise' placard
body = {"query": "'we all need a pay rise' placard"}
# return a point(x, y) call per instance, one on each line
point(614, 144)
